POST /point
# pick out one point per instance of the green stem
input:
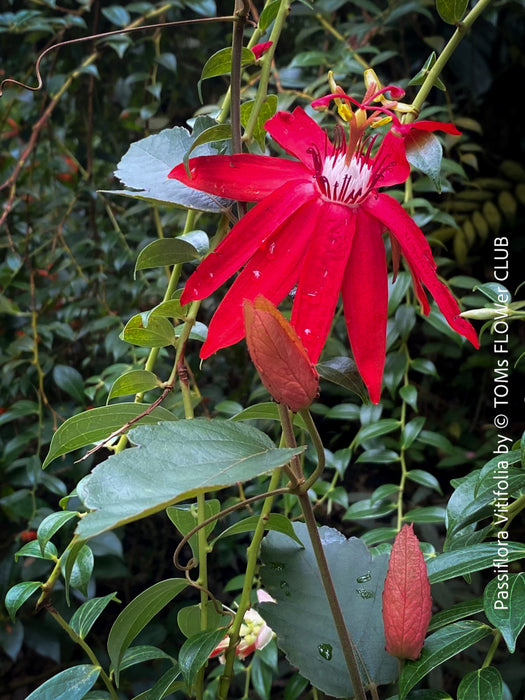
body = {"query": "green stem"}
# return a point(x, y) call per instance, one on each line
point(266, 61)
point(347, 646)
point(319, 448)
point(245, 599)
point(434, 73)
point(402, 458)
point(241, 12)
point(492, 649)
point(87, 649)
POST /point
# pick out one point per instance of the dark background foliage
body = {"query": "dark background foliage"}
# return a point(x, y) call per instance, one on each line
point(68, 253)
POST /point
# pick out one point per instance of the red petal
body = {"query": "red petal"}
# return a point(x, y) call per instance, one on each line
point(407, 604)
point(272, 272)
point(244, 177)
point(392, 159)
point(396, 255)
point(417, 251)
point(405, 129)
point(365, 301)
point(321, 277)
point(279, 356)
point(252, 231)
point(297, 133)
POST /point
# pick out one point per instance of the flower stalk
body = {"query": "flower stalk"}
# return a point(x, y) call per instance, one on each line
point(245, 601)
point(347, 645)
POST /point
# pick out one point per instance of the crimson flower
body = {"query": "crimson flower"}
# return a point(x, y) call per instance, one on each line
point(318, 224)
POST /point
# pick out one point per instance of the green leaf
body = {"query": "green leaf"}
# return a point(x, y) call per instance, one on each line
point(451, 11)
point(368, 509)
point(183, 459)
point(343, 372)
point(136, 381)
point(140, 654)
point(265, 411)
point(439, 647)
point(189, 619)
point(411, 431)
point(166, 685)
point(168, 61)
point(504, 603)
point(117, 15)
point(51, 525)
point(457, 612)
point(147, 163)
point(420, 78)
point(419, 476)
point(214, 134)
point(70, 380)
point(33, 550)
point(77, 567)
point(195, 651)
point(302, 619)
point(71, 684)
point(98, 424)
point(165, 251)
point(136, 615)
point(18, 594)
point(88, 613)
point(427, 514)
point(158, 333)
point(221, 62)
point(474, 498)
point(482, 684)
point(266, 111)
point(275, 521)
point(381, 427)
point(378, 456)
point(476, 557)
point(268, 14)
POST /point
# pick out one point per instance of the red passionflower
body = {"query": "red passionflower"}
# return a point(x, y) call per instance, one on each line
point(318, 224)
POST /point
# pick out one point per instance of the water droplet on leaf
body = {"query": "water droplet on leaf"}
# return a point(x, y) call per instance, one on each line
point(277, 565)
point(283, 585)
point(325, 650)
point(363, 579)
point(366, 595)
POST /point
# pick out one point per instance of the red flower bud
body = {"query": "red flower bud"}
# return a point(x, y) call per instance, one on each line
point(279, 356)
point(260, 49)
point(406, 597)
point(28, 535)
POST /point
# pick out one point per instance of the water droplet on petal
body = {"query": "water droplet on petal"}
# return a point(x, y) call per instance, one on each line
point(325, 650)
point(257, 274)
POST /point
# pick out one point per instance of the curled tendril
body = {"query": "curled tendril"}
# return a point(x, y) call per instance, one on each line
point(104, 35)
point(192, 562)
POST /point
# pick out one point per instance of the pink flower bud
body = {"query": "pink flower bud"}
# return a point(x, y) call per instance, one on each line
point(279, 356)
point(260, 49)
point(406, 597)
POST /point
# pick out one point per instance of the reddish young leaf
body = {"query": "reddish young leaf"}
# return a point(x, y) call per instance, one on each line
point(278, 355)
point(406, 597)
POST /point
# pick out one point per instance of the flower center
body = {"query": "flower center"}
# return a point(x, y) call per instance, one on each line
point(344, 182)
